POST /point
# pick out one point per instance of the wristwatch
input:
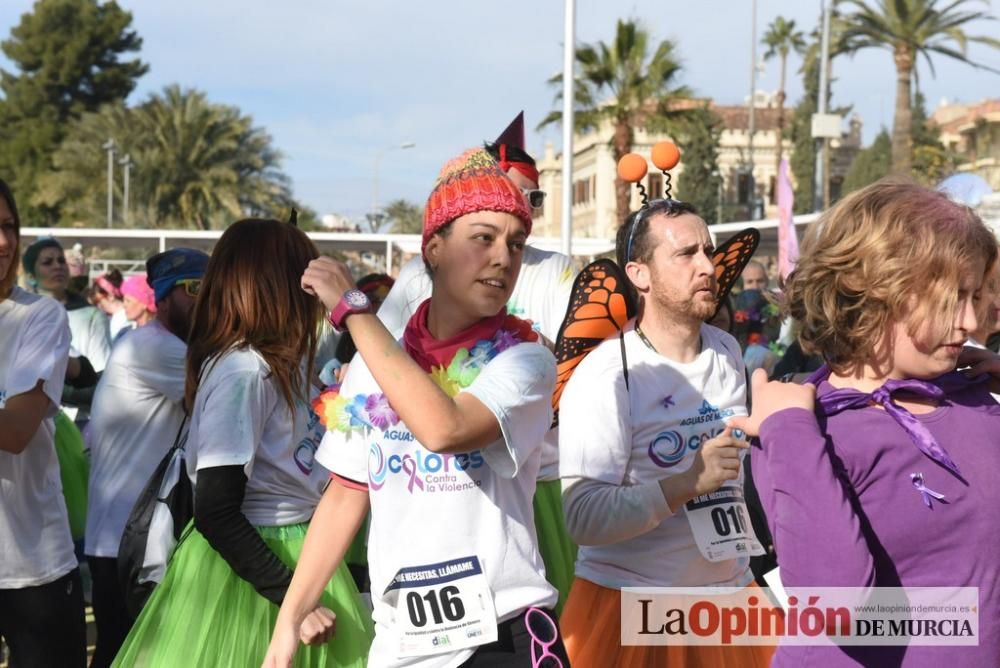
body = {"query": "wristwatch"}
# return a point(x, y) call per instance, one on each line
point(353, 301)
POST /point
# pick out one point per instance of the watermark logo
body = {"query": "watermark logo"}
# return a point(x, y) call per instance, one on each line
point(942, 616)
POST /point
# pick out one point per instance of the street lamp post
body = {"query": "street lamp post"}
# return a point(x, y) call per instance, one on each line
point(821, 177)
point(718, 201)
point(568, 122)
point(751, 128)
point(126, 164)
point(109, 146)
point(378, 158)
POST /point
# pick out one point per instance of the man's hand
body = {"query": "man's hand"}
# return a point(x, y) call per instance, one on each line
point(716, 462)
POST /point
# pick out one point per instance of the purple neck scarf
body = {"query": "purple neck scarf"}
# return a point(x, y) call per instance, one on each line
point(840, 400)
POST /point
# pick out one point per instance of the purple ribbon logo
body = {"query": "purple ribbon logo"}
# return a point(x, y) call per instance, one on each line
point(926, 493)
point(410, 468)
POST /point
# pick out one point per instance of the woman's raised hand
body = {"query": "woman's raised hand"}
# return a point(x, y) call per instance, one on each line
point(327, 279)
point(771, 397)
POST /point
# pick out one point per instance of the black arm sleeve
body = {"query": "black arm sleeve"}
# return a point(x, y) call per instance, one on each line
point(218, 500)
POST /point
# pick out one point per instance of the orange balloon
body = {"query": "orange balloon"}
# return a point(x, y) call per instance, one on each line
point(632, 167)
point(666, 155)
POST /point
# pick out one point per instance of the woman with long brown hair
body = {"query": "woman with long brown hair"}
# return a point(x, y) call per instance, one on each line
point(249, 455)
point(41, 600)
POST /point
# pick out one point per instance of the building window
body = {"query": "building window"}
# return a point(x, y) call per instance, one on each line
point(655, 186)
point(836, 187)
point(583, 190)
point(743, 188)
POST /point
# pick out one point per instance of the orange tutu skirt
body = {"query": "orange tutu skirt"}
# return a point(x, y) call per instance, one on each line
point(591, 630)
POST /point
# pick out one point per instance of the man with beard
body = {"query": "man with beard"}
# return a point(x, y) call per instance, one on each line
point(136, 414)
point(643, 440)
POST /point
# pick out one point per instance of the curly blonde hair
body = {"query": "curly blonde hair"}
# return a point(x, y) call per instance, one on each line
point(890, 252)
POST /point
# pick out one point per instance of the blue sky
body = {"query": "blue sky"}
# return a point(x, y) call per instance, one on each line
point(334, 82)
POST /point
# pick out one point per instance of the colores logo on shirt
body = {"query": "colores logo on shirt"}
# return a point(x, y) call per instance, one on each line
point(422, 471)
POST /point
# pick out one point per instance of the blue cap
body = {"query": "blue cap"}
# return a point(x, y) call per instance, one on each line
point(163, 270)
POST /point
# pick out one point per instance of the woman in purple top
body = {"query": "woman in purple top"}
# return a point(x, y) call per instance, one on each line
point(884, 473)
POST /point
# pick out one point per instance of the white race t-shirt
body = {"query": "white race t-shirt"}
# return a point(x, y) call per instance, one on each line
point(240, 418)
point(644, 434)
point(35, 543)
point(135, 415)
point(540, 295)
point(429, 508)
point(91, 336)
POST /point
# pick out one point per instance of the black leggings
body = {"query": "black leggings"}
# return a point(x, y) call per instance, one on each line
point(513, 645)
point(44, 626)
point(110, 615)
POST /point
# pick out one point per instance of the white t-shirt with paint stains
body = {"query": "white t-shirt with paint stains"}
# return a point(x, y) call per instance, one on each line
point(240, 418)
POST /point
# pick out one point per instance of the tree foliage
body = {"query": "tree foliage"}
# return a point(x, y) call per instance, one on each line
point(699, 183)
point(70, 57)
point(910, 29)
point(405, 217)
point(630, 86)
point(782, 39)
point(803, 160)
point(197, 164)
point(870, 164)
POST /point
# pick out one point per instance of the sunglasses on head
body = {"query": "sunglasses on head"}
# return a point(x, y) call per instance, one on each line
point(535, 197)
point(661, 205)
point(191, 286)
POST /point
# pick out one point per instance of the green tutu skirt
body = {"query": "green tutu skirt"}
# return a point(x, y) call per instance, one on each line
point(74, 470)
point(558, 551)
point(203, 615)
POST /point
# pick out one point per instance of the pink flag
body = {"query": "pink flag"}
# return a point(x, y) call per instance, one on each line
point(788, 243)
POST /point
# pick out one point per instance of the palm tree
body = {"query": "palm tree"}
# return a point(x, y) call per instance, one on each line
point(623, 84)
point(209, 164)
point(782, 39)
point(912, 28)
point(197, 164)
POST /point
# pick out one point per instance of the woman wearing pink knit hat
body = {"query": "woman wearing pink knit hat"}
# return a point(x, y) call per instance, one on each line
point(438, 432)
point(140, 304)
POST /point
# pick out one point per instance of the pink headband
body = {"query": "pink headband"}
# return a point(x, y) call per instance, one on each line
point(108, 287)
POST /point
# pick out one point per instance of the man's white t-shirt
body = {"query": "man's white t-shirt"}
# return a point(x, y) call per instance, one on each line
point(91, 336)
point(429, 508)
point(35, 543)
point(540, 295)
point(135, 416)
point(240, 418)
point(644, 434)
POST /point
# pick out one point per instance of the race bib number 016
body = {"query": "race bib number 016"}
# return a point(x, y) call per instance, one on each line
point(442, 607)
point(721, 525)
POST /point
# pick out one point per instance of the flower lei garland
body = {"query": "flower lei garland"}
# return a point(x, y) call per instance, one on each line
point(372, 411)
